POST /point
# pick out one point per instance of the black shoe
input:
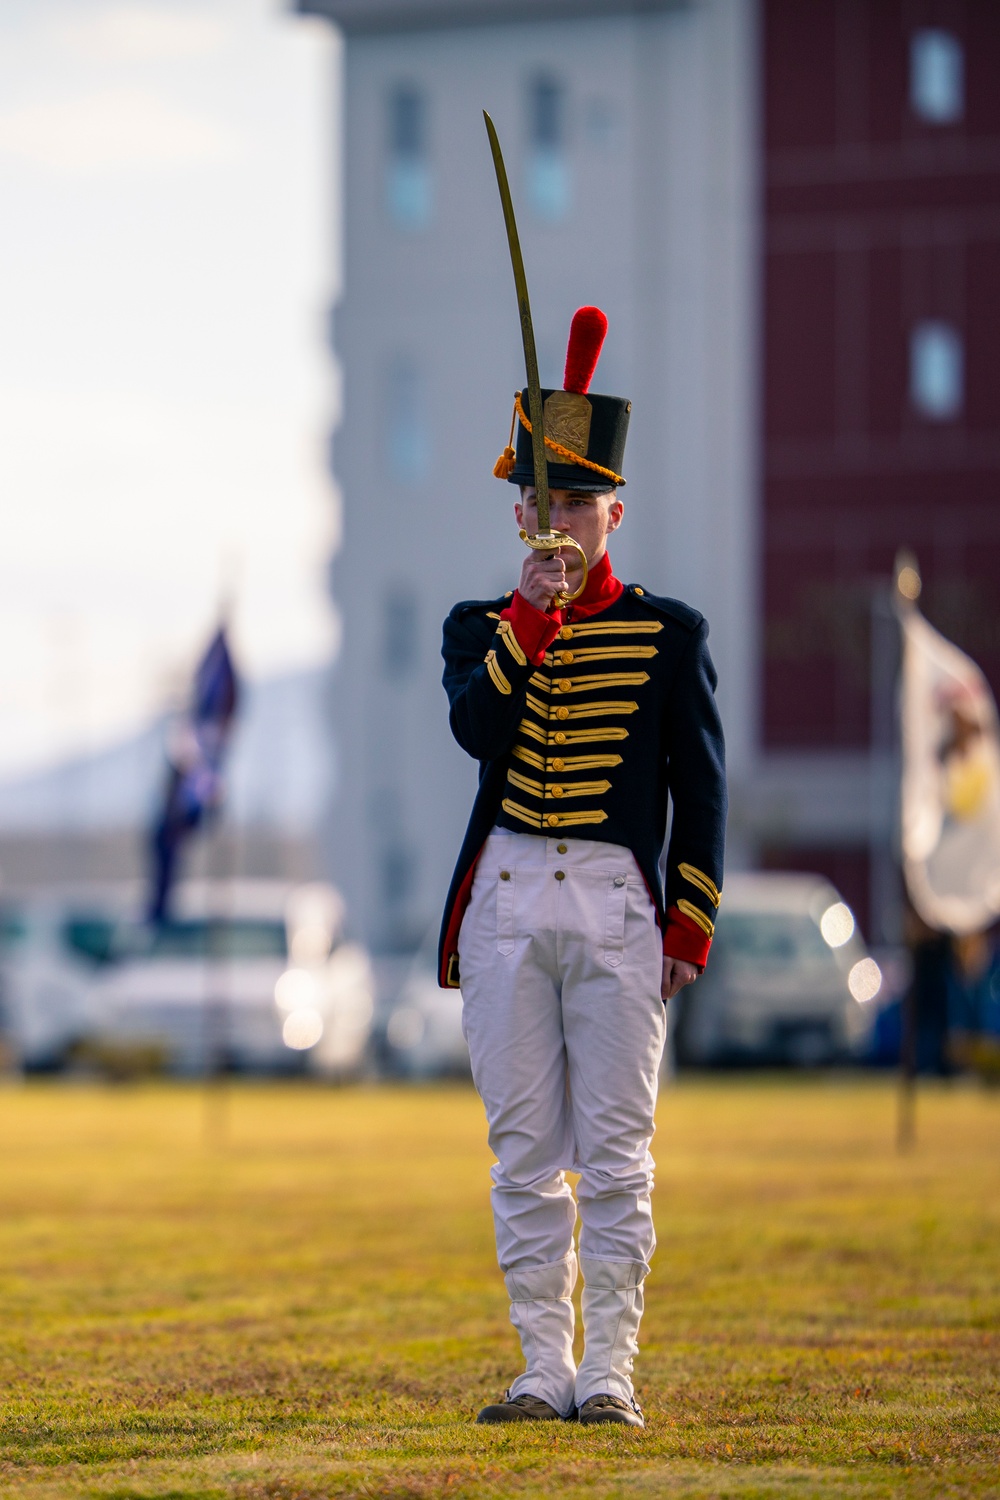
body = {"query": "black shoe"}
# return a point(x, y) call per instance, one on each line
point(523, 1408)
point(607, 1408)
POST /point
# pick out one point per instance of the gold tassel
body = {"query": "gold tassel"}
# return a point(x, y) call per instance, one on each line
point(505, 463)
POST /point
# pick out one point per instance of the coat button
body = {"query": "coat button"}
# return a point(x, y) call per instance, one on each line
point(562, 713)
point(566, 633)
point(553, 820)
point(560, 874)
point(565, 657)
point(559, 737)
point(558, 764)
point(556, 791)
point(619, 880)
point(504, 874)
point(639, 590)
point(561, 849)
point(565, 686)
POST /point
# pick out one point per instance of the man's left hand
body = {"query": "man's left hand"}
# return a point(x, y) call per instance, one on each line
point(676, 974)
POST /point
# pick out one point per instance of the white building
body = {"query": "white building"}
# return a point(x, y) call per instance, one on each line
point(629, 132)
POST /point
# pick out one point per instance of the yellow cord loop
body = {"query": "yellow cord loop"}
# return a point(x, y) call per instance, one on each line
point(505, 463)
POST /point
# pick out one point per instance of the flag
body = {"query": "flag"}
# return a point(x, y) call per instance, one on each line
point(950, 781)
point(195, 754)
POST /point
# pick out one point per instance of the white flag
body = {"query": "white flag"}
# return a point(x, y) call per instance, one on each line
point(951, 782)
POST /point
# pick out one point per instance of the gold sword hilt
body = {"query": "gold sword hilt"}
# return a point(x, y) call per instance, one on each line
point(551, 541)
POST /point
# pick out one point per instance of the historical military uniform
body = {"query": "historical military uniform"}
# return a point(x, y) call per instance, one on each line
point(588, 722)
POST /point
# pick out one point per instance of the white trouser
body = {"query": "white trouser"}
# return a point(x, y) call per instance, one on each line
point(560, 960)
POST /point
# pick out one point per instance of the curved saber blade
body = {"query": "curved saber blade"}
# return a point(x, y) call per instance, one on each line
point(527, 335)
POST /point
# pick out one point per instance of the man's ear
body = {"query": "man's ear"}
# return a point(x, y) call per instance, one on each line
point(615, 512)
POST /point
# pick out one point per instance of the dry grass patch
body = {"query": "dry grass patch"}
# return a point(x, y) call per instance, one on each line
point(310, 1307)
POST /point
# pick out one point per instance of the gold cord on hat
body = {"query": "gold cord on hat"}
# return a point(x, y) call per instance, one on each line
point(505, 463)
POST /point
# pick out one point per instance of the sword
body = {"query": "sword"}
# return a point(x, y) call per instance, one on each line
point(544, 539)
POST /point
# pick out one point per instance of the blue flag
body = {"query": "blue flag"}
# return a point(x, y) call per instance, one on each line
point(195, 786)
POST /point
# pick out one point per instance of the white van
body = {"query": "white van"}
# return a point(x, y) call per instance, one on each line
point(788, 979)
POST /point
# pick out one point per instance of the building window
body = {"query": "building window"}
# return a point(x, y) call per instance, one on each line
point(937, 370)
point(408, 174)
point(408, 441)
point(937, 76)
point(399, 635)
point(549, 187)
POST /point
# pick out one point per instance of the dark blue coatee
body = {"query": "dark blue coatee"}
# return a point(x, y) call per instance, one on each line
point(195, 785)
point(591, 726)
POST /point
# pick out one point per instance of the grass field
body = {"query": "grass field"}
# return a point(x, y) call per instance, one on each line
point(308, 1305)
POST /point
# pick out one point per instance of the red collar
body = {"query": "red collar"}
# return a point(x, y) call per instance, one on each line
point(603, 588)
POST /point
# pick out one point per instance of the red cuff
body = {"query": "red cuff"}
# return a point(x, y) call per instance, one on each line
point(684, 939)
point(535, 630)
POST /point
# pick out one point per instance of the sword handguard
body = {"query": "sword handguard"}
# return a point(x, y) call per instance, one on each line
point(551, 541)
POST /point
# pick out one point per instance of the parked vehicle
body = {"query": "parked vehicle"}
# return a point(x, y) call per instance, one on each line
point(247, 975)
point(789, 979)
point(50, 947)
point(421, 1036)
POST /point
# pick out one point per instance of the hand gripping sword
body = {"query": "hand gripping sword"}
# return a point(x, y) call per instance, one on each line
point(544, 539)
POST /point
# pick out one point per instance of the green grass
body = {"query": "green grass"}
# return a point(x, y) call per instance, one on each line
point(309, 1304)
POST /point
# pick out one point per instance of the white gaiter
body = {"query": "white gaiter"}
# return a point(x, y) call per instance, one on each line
point(612, 1304)
point(541, 1309)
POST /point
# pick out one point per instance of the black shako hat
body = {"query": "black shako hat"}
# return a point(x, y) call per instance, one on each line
point(584, 434)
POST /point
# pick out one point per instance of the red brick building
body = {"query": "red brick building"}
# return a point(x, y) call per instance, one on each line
point(881, 358)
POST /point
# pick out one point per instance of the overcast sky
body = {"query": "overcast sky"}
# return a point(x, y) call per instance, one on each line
point(167, 262)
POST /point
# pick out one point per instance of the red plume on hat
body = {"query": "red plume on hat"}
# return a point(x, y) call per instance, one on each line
point(586, 339)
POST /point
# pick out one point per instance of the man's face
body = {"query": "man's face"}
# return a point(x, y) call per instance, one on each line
point(587, 518)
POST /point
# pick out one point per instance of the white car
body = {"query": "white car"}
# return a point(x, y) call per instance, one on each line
point(788, 979)
point(247, 975)
point(422, 1035)
point(199, 987)
point(50, 947)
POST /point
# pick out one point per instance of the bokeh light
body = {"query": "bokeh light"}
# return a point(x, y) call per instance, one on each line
point(295, 990)
point(908, 583)
point(837, 925)
point(865, 980)
point(302, 1029)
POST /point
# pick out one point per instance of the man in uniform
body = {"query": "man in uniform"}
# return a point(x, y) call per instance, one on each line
point(587, 720)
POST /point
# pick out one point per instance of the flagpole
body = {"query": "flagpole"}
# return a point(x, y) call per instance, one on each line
point(884, 770)
point(906, 1114)
point(219, 924)
point(220, 872)
point(905, 592)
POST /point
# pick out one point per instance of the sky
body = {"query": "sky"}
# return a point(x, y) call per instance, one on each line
point(168, 259)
